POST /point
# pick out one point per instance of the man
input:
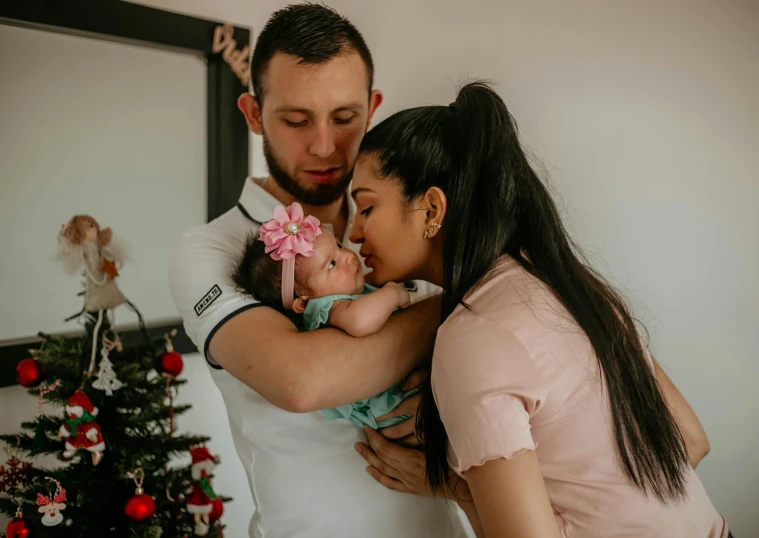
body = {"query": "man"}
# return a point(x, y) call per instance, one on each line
point(312, 101)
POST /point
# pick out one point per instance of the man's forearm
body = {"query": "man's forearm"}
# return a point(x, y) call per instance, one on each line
point(306, 371)
point(364, 367)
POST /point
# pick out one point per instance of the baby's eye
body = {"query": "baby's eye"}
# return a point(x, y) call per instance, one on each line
point(339, 244)
point(331, 264)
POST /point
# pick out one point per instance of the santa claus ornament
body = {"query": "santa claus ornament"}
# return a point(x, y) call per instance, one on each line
point(80, 429)
point(201, 496)
point(52, 504)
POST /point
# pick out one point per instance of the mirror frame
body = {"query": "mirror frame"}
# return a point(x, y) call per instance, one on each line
point(227, 132)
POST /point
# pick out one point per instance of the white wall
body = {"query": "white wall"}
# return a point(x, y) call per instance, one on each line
point(647, 117)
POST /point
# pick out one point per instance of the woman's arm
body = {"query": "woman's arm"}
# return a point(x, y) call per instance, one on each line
point(693, 433)
point(510, 499)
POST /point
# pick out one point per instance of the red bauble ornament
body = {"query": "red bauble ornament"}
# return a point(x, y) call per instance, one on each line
point(30, 372)
point(217, 510)
point(171, 364)
point(19, 527)
point(140, 507)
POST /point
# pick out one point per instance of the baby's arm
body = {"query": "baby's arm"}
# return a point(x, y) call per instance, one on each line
point(367, 314)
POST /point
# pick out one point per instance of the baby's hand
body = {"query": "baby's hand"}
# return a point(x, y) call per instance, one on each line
point(404, 299)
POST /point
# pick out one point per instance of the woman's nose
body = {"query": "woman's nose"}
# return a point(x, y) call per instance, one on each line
point(356, 234)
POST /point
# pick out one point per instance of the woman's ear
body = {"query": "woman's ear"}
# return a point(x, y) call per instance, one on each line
point(435, 201)
point(299, 304)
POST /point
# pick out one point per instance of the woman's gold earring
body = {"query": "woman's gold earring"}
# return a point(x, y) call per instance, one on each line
point(432, 229)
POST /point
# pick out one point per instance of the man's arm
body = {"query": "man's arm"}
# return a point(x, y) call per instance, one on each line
point(693, 433)
point(307, 371)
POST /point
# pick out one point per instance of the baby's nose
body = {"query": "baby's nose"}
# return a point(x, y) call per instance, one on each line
point(350, 257)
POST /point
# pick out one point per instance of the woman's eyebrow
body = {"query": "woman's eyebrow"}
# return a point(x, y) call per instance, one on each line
point(360, 190)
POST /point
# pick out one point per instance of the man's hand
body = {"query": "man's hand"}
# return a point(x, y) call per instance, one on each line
point(405, 433)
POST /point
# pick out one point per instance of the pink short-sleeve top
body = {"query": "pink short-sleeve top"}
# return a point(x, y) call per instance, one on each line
point(517, 373)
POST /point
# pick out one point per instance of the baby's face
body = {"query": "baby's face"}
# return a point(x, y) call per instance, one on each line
point(332, 270)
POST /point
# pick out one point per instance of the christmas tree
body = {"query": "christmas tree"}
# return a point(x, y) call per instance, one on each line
point(115, 432)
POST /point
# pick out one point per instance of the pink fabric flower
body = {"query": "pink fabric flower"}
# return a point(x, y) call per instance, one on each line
point(289, 233)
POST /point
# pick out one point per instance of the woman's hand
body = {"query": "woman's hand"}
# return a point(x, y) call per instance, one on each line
point(395, 467)
point(403, 469)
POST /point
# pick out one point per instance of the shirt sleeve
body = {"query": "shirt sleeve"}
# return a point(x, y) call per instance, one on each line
point(486, 388)
point(203, 292)
point(317, 310)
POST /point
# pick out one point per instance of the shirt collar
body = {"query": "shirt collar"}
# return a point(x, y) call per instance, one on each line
point(258, 205)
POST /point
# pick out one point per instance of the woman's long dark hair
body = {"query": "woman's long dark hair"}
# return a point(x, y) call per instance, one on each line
point(497, 205)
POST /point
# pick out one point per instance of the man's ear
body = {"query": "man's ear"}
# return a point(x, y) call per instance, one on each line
point(375, 100)
point(299, 304)
point(249, 107)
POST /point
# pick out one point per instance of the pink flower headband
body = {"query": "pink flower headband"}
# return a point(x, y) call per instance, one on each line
point(285, 236)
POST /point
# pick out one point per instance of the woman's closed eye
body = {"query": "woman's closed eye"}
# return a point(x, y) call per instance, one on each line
point(366, 211)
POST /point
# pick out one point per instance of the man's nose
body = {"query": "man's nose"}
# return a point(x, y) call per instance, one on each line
point(323, 143)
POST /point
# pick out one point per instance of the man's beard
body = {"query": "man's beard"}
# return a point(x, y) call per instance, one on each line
point(320, 195)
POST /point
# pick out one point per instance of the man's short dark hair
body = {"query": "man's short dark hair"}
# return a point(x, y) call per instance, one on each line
point(314, 33)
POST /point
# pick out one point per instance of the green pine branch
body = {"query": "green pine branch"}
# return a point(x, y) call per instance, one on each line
point(135, 423)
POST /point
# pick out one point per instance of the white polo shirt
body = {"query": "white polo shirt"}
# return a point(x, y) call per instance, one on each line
point(305, 476)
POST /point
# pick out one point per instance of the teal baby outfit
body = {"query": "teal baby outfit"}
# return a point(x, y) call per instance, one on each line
point(364, 412)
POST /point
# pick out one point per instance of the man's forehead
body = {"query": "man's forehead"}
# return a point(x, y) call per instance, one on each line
point(339, 83)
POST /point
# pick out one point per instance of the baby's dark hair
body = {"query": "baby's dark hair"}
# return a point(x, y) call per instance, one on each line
point(258, 275)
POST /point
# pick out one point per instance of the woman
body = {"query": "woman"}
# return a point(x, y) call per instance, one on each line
point(543, 396)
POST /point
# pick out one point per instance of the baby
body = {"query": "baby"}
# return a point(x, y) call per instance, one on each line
point(301, 270)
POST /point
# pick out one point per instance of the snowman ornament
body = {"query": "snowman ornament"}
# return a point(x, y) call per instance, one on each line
point(52, 505)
